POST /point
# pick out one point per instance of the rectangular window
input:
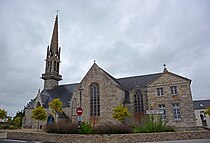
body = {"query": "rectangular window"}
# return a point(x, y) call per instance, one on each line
point(162, 107)
point(173, 90)
point(176, 112)
point(159, 91)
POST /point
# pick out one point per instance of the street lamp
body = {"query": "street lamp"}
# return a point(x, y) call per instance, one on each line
point(80, 95)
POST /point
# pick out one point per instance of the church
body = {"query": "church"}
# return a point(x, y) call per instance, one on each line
point(99, 92)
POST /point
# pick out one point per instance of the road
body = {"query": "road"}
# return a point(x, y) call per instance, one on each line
point(185, 141)
point(19, 141)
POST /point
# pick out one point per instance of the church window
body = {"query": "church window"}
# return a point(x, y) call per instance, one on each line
point(50, 66)
point(173, 90)
point(138, 102)
point(57, 67)
point(54, 66)
point(94, 100)
point(176, 112)
point(159, 91)
point(162, 107)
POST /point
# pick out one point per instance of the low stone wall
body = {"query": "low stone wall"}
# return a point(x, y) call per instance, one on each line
point(106, 138)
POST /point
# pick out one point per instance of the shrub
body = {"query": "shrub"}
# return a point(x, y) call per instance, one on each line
point(110, 128)
point(85, 128)
point(152, 124)
point(62, 128)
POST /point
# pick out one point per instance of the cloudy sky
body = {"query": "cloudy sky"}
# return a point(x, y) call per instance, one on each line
point(125, 37)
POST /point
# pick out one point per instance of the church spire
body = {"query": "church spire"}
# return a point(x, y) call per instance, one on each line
point(51, 75)
point(54, 40)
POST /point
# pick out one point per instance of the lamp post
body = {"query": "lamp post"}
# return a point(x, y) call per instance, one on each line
point(80, 95)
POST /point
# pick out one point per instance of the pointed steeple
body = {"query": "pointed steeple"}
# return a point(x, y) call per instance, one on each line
point(54, 40)
point(51, 75)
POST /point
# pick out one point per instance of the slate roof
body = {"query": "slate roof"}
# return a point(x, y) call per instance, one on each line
point(65, 92)
point(201, 104)
point(130, 83)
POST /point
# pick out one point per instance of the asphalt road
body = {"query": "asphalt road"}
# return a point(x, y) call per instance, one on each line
point(19, 141)
point(185, 141)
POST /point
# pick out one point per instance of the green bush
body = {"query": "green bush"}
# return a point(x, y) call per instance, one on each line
point(110, 128)
point(153, 124)
point(85, 128)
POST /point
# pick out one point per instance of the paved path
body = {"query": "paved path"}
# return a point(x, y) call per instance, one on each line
point(3, 134)
point(184, 141)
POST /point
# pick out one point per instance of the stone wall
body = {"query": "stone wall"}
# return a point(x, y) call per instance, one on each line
point(111, 95)
point(183, 98)
point(107, 138)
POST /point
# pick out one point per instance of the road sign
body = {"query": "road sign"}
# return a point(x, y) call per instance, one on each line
point(154, 111)
point(79, 111)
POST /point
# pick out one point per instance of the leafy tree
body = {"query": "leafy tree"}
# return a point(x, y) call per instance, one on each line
point(56, 105)
point(20, 114)
point(39, 114)
point(120, 113)
point(9, 119)
point(208, 111)
point(17, 121)
point(3, 113)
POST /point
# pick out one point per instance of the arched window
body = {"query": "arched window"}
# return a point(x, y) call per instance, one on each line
point(50, 119)
point(94, 100)
point(138, 102)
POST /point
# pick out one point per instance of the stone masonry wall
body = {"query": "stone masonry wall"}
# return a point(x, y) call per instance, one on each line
point(105, 138)
point(183, 98)
point(110, 95)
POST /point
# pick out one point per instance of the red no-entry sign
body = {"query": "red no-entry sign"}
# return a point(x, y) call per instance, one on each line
point(79, 111)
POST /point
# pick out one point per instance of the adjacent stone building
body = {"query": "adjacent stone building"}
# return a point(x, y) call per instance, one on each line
point(99, 92)
point(200, 107)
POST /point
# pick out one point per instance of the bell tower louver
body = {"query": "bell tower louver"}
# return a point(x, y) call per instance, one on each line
point(51, 76)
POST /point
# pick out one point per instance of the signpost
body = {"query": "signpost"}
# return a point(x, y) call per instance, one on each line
point(153, 112)
point(79, 117)
point(79, 111)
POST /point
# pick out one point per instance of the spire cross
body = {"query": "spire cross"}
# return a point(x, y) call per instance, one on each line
point(165, 69)
point(164, 66)
point(57, 12)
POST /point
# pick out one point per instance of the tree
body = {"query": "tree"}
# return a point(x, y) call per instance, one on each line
point(56, 105)
point(9, 120)
point(120, 113)
point(208, 111)
point(3, 113)
point(17, 122)
point(39, 114)
point(20, 114)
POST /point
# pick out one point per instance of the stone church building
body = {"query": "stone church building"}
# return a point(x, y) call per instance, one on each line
point(99, 92)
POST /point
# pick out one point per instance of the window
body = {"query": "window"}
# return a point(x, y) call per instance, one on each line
point(159, 91)
point(173, 90)
point(138, 101)
point(176, 112)
point(162, 107)
point(94, 100)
